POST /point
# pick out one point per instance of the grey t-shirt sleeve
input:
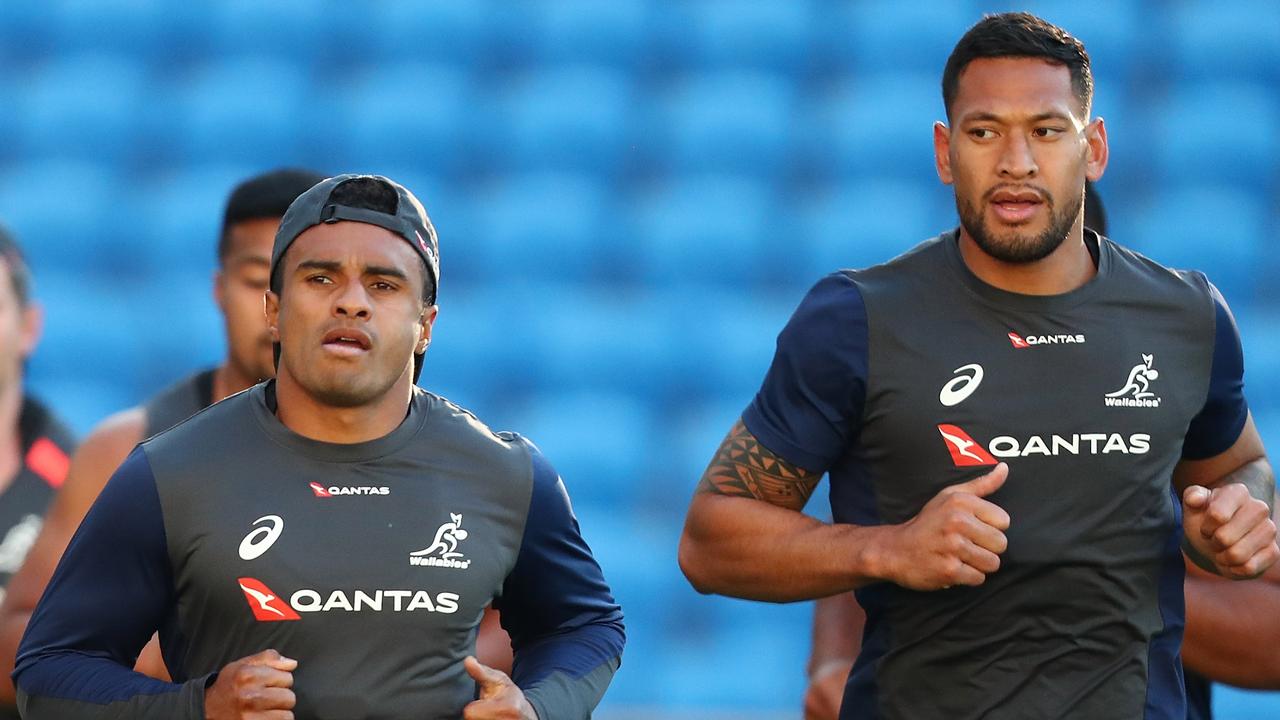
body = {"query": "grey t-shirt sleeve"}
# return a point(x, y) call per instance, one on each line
point(111, 591)
point(566, 630)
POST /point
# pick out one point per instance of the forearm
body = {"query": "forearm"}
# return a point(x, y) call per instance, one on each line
point(13, 622)
point(64, 685)
point(566, 675)
point(837, 631)
point(1233, 630)
point(751, 549)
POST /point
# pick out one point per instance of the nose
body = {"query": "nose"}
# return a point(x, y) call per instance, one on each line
point(352, 302)
point(1016, 159)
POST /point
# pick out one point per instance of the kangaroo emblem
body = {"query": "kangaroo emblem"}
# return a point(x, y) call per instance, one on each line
point(1139, 383)
point(446, 540)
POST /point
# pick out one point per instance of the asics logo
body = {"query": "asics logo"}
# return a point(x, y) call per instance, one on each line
point(959, 388)
point(259, 540)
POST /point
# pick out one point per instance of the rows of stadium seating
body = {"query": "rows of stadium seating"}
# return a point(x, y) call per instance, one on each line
point(632, 195)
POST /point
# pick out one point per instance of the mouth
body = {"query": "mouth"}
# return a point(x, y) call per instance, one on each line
point(1016, 206)
point(346, 341)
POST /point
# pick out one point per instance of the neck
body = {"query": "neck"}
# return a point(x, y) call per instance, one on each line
point(229, 380)
point(1068, 267)
point(11, 441)
point(310, 417)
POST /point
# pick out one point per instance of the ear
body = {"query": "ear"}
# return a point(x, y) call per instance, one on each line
point(1095, 134)
point(942, 152)
point(271, 306)
point(426, 321)
point(220, 289)
point(32, 329)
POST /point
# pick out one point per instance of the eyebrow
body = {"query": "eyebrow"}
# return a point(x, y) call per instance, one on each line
point(253, 260)
point(992, 117)
point(335, 266)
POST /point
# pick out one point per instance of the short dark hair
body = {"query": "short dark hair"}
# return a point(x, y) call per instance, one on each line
point(263, 196)
point(367, 193)
point(19, 271)
point(1019, 35)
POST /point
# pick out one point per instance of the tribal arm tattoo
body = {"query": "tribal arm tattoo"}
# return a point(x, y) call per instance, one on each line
point(742, 467)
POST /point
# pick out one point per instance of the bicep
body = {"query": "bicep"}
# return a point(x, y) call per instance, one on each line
point(743, 467)
point(1210, 471)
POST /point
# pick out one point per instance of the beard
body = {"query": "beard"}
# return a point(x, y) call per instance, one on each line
point(1014, 247)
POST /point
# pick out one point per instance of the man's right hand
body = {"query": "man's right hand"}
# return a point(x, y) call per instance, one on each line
point(254, 688)
point(956, 539)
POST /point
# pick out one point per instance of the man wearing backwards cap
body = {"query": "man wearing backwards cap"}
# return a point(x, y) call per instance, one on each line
point(323, 545)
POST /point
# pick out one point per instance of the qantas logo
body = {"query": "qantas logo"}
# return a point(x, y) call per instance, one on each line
point(269, 607)
point(335, 490)
point(265, 604)
point(967, 452)
point(1020, 342)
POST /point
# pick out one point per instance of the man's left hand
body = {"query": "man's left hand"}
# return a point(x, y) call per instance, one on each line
point(1231, 528)
point(500, 698)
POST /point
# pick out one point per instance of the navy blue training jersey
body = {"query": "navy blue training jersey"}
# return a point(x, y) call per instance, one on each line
point(905, 378)
point(369, 563)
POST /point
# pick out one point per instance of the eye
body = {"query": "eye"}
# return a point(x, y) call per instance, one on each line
point(982, 133)
point(383, 285)
point(1046, 132)
point(320, 279)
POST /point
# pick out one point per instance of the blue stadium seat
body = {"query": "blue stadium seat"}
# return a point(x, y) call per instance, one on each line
point(407, 31)
point(1114, 32)
point(178, 217)
point(80, 107)
point(739, 122)
point(1210, 41)
point(878, 124)
point(598, 338)
point(594, 439)
point(567, 118)
point(25, 32)
point(95, 330)
point(64, 214)
point(1219, 130)
point(877, 36)
point(775, 35)
point(136, 28)
point(544, 226)
point(615, 33)
point(83, 403)
point(713, 229)
point(401, 114)
point(1260, 334)
point(297, 29)
point(867, 222)
point(246, 109)
point(1219, 229)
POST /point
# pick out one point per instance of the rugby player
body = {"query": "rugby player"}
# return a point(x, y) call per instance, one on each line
point(1006, 493)
point(324, 544)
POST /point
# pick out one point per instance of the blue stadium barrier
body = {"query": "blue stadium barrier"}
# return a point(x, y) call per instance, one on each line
point(61, 213)
point(617, 33)
point(1220, 130)
point(1210, 41)
point(877, 36)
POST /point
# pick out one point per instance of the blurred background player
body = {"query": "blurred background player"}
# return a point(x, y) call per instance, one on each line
point(1222, 619)
point(36, 444)
point(249, 223)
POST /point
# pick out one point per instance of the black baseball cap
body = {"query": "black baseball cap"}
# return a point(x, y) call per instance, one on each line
point(409, 222)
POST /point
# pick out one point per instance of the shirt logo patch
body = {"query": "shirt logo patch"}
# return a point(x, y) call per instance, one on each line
point(1021, 342)
point(443, 551)
point(959, 388)
point(1137, 388)
point(265, 604)
point(259, 540)
point(336, 490)
point(965, 451)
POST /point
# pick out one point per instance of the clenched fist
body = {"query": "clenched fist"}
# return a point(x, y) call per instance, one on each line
point(1230, 528)
point(254, 688)
point(956, 539)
